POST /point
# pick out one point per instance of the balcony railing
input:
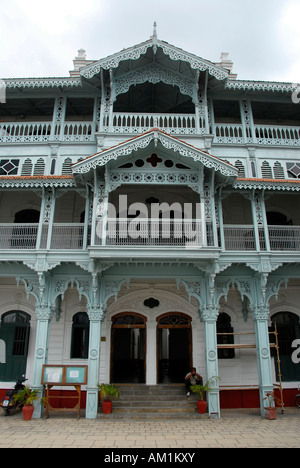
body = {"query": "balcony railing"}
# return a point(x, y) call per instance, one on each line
point(30, 132)
point(137, 123)
point(151, 232)
point(179, 124)
point(148, 233)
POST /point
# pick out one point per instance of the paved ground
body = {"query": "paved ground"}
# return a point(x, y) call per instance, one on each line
point(236, 428)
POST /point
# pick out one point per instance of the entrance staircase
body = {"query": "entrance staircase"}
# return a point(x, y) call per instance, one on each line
point(139, 401)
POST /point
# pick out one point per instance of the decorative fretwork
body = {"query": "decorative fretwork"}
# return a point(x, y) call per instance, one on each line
point(39, 167)
point(9, 166)
point(167, 142)
point(174, 320)
point(266, 170)
point(293, 169)
point(128, 320)
point(117, 178)
point(239, 165)
point(153, 74)
point(259, 86)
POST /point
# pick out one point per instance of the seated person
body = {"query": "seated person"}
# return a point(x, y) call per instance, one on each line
point(192, 378)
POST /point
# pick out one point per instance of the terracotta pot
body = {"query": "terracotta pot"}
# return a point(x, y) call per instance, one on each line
point(27, 412)
point(271, 412)
point(107, 406)
point(201, 406)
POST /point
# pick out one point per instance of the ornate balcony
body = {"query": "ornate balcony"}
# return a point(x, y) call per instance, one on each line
point(137, 123)
point(150, 233)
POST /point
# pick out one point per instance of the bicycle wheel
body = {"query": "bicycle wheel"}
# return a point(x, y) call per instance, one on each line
point(297, 401)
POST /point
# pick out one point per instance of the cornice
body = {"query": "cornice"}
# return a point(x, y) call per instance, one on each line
point(36, 181)
point(12, 83)
point(268, 184)
point(260, 85)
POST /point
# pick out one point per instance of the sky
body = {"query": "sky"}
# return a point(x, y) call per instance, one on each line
point(41, 38)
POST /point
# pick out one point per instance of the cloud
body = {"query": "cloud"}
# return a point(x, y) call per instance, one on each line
point(42, 38)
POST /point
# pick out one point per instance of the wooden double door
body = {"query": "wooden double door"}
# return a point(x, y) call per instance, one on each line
point(129, 348)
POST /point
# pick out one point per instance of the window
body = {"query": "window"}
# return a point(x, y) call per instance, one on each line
point(80, 336)
point(225, 337)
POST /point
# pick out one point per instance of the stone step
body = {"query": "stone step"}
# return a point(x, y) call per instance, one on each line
point(153, 402)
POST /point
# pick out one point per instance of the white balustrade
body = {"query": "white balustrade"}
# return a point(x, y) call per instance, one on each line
point(22, 132)
point(284, 237)
point(184, 124)
point(136, 123)
point(239, 237)
point(18, 236)
point(228, 133)
point(29, 132)
point(277, 135)
point(67, 236)
point(151, 232)
point(147, 232)
point(78, 131)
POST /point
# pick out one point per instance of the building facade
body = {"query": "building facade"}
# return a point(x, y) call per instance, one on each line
point(149, 221)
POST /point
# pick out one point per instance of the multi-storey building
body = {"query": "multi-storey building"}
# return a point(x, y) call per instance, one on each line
point(149, 221)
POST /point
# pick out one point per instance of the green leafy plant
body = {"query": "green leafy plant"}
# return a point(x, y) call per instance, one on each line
point(26, 396)
point(201, 389)
point(108, 392)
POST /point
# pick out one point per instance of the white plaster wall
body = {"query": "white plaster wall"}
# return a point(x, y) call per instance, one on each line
point(242, 370)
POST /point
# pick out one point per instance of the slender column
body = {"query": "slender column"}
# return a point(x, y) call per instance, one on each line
point(44, 316)
point(220, 219)
point(41, 221)
point(58, 120)
point(86, 218)
point(96, 316)
point(256, 216)
point(210, 315)
point(260, 316)
point(49, 216)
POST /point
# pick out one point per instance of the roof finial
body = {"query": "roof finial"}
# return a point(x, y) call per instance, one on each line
point(154, 38)
point(154, 30)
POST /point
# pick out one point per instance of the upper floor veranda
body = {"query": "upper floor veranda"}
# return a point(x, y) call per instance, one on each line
point(46, 124)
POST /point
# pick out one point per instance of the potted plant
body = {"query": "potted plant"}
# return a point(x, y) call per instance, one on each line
point(201, 390)
point(271, 410)
point(25, 399)
point(108, 392)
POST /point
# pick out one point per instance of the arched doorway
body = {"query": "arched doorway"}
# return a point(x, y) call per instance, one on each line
point(174, 347)
point(288, 328)
point(14, 332)
point(128, 348)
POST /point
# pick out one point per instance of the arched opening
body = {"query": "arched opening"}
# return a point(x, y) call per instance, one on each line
point(128, 348)
point(225, 336)
point(80, 336)
point(27, 216)
point(14, 332)
point(154, 98)
point(25, 236)
point(174, 347)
